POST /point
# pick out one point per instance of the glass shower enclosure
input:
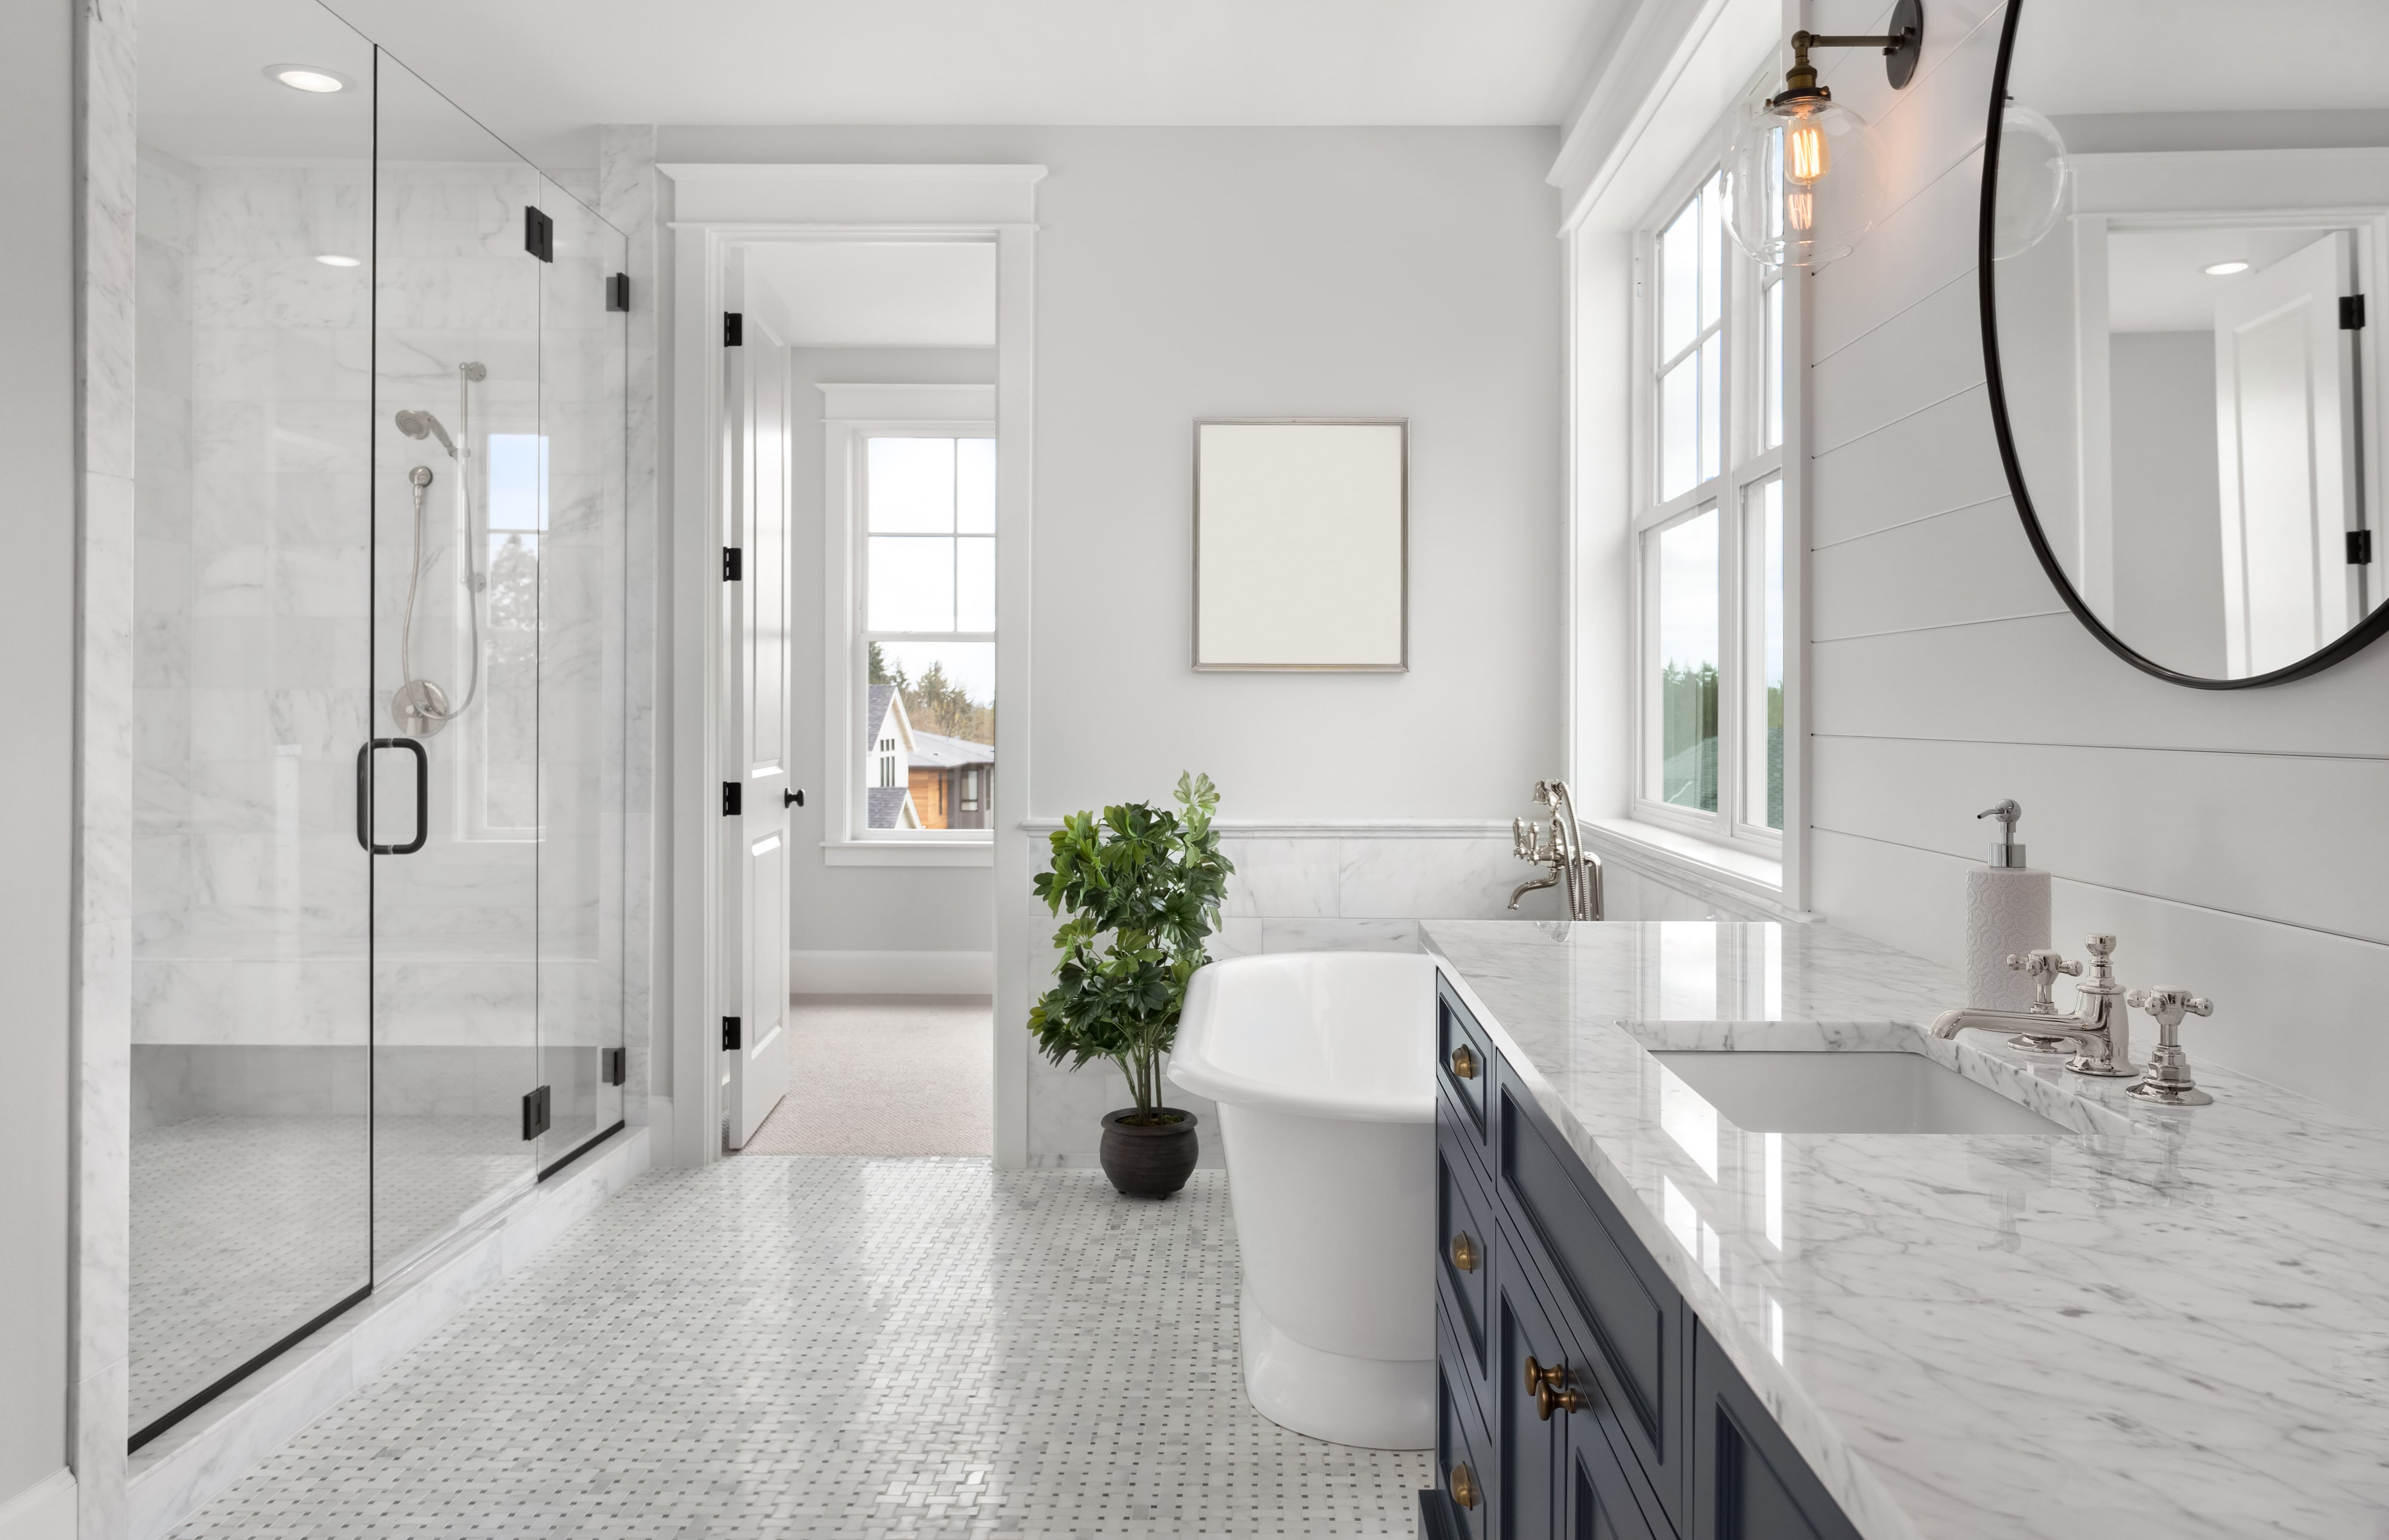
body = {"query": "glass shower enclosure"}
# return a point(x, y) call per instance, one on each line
point(378, 842)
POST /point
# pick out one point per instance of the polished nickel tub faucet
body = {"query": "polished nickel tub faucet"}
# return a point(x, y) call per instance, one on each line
point(1564, 853)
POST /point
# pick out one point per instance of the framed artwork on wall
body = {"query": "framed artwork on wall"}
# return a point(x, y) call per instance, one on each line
point(1301, 545)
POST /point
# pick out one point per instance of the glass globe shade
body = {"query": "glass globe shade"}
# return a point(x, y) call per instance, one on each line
point(2036, 183)
point(1803, 180)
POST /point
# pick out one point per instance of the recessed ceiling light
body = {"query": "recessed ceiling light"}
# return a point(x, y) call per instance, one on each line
point(333, 258)
point(2224, 270)
point(307, 77)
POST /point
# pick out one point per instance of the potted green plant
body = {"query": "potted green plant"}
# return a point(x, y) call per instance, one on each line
point(1141, 887)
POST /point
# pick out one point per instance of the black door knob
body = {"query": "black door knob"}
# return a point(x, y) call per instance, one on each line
point(792, 799)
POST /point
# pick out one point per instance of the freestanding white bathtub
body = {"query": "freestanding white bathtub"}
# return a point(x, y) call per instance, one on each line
point(1323, 1067)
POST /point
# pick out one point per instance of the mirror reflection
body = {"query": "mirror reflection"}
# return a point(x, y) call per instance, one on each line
point(2183, 249)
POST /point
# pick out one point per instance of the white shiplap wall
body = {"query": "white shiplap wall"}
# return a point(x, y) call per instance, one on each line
point(2237, 841)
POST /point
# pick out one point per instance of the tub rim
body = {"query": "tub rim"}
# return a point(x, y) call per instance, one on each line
point(1191, 1068)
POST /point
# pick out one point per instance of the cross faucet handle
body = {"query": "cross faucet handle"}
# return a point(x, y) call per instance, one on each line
point(2168, 1006)
point(2043, 965)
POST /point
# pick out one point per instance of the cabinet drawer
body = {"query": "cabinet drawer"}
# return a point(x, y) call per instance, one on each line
point(1464, 1058)
point(1465, 1214)
point(1613, 1298)
point(1461, 1441)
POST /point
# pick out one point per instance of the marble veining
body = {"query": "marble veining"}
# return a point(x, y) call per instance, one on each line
point(2165, 1323)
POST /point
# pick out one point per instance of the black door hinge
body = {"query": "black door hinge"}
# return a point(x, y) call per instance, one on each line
point(2351, 312)
point(538, 233)
point(729, 1033)
point(618, 1066)
point(536, 1120)
point(2360, 548)
point(618, 292)
point(734, 329)
point(733, 802)
point(733, 564)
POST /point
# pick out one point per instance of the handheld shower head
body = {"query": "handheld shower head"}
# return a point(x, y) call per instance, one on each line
point(421, 425)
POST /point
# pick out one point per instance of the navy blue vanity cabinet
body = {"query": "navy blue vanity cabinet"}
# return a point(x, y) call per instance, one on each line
point(1749, 1483)
point(1630, 1329)
point(1632, 1424)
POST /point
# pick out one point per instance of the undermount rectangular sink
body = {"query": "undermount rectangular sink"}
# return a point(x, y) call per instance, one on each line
point(1848, 1093)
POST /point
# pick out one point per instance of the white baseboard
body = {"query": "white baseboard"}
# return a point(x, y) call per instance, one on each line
point(892, 972)
point(44, 1511)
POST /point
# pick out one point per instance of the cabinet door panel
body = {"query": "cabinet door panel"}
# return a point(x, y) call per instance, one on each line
point(1531, 1445)
point(1463, 1468)
point(1609, 1291)
point(1601, 1503)
point(1749, 1483)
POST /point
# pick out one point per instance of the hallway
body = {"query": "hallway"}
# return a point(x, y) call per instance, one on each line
point(846, 1348)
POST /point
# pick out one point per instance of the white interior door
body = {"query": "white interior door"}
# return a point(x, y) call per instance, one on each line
point(755, 618)
point(2284, 393)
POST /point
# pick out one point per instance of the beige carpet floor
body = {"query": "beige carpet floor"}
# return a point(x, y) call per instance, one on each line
point(885, 1075)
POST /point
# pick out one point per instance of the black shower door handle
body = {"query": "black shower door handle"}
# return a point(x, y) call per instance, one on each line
point(364, 797)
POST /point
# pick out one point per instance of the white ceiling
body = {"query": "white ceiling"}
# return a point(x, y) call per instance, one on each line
point(2157, 279)
point(2201, 56)
point(852, 294)
point(538, 70)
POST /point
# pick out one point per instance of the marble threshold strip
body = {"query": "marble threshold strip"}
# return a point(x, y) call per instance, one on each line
point(193, 1461)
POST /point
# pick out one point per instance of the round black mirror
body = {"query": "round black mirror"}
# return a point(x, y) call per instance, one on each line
point(2184, 213)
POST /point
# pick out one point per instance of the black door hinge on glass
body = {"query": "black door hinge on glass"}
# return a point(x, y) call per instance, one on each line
point(538, 233)
point(536, 1120)
point(618, 1066)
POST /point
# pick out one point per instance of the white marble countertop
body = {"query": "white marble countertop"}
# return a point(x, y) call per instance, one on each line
point(2167, 1323)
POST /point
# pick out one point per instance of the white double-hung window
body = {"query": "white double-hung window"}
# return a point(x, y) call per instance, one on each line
point(1708, 526)
point(911, 655)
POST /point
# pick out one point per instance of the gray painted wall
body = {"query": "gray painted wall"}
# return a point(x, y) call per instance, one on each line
point(37, 635)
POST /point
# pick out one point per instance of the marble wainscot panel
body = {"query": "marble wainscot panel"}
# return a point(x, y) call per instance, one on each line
point(2165, 1323)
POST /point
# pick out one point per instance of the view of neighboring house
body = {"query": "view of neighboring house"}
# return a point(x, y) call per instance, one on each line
point(952, 782)
point(914, 779)
point(888, 742)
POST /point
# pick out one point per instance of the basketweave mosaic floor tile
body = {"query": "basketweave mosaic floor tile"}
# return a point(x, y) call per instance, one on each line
point(837, 1347)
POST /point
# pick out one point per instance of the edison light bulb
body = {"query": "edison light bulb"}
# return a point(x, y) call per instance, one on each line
point(1806, 156)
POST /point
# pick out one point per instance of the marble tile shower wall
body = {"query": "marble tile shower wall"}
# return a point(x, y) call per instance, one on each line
point(1334, 893)
point(256, 554)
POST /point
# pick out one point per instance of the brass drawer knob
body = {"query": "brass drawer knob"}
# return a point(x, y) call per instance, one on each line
point(1463, 1253)
point(1464, 1483)
point(1463, 1063)
point(1553, 1390)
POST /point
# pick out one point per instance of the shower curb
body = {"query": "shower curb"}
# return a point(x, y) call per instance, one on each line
point(173, 1477)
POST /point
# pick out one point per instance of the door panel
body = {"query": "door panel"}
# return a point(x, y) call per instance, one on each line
point(2284, 398)
point(1528, 1444)
point(755, 618)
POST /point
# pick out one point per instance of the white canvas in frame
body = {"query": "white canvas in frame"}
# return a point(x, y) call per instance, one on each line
point(1300, 545)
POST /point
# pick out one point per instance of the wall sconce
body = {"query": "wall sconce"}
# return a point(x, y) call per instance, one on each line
point(1788, 146)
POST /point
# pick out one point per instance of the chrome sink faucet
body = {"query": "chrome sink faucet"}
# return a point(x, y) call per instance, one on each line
point(1563, 852)
point(2099, 1026)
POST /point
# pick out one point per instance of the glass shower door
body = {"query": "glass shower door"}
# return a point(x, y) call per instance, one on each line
point(458, 458)
point(578, 543)
point(249, 1136)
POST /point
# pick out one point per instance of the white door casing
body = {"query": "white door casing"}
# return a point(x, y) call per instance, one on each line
point(2284, 396)
point(755, 715)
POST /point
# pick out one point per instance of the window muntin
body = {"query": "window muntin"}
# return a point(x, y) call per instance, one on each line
point(926, 626)
point(1709, 530)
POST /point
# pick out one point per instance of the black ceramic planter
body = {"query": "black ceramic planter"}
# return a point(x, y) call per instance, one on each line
point(1149, 1162)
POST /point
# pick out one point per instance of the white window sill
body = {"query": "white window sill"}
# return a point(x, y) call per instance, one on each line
point(897, 852)
point(1690, 858)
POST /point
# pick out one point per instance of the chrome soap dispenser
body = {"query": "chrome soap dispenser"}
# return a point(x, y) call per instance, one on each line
point(2007, 914)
